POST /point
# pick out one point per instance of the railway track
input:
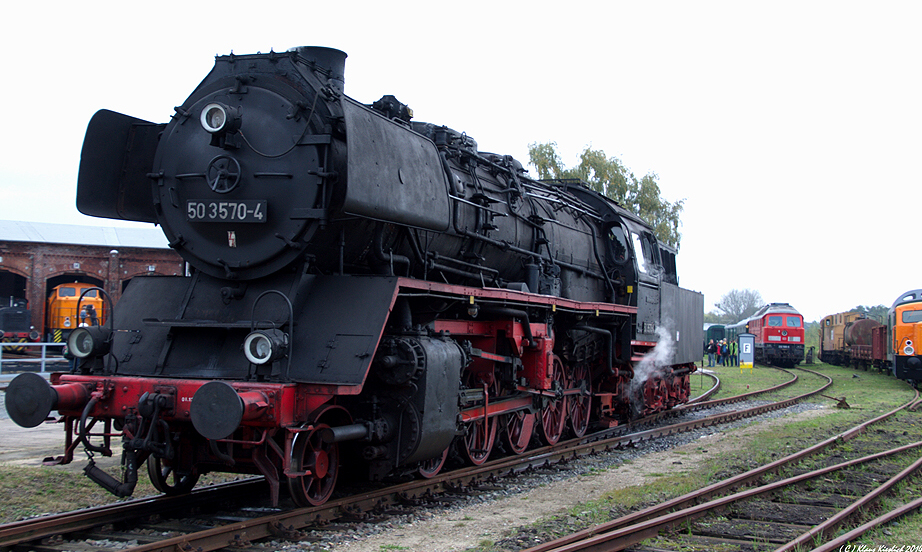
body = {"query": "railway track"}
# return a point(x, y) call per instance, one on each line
point(239, 528)
point(717, 514)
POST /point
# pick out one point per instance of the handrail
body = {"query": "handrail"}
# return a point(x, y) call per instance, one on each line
point(43, 359)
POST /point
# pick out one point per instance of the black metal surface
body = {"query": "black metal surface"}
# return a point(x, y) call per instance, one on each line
point(29, 399)
point(438, 404)
point(181, 327)
point(216, 410)
point(340, 323)
point(117, 154)
point(683, 316)
point(207, 186)
point(394, 175)
point(14, 320)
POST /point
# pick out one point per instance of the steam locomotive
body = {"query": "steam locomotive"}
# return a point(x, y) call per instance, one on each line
point(368, 295)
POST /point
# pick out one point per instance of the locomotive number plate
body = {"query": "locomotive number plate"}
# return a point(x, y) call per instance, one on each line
point(248, 210)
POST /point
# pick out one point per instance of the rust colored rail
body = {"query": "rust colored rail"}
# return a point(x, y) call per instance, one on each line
point(692, 405)
point(829, 527)
point(366, 504)
point(27, 530)
point(707, 394)
point(623, 537)
point(700, 403)
point(615, 529)
point(896, 513)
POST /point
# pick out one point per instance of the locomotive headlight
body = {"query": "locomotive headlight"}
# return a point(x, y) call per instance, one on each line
point(264, 346)
point(89, 341)
point(214, 117)
point(908, 349)
point(217, 118)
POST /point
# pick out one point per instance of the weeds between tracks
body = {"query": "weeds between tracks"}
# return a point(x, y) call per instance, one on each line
point(869, 394)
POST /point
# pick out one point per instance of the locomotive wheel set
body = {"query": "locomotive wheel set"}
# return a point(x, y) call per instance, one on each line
point(369, 295)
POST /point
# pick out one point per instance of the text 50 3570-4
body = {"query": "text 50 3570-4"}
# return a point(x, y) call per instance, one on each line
point(249, 210)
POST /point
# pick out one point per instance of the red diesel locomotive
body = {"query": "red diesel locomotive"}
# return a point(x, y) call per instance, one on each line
point(779, 334)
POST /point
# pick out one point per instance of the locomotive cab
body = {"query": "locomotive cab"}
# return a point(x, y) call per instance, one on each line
point(905, 336)
point(620, 264)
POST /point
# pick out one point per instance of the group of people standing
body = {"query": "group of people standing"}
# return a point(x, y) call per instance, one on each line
point(726, 353)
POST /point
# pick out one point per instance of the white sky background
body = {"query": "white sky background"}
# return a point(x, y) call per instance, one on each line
point(791, 129)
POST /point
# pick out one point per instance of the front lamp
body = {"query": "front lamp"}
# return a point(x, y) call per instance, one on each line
point(264, 346)
point(89, 341)
point(219, 118)
point(908, 350)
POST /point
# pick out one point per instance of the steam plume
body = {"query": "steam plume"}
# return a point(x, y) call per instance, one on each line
point(661, 355)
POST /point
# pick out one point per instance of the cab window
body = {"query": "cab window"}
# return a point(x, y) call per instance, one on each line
point(775, 321)
point(643, 256)
point(617, 244)
point(913, 316)
point(647, 258)
point(67, 292)
point(793, 322)
point(667, 257)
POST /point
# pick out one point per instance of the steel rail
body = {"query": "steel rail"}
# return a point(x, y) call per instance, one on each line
point(715, 489)
point(828, 527)
point(37, 528)
point(359, 505)
point(707, 394)
point(18, 532)
point(915, 406)
point(745, 396)
point(712, 420)
point(623, 537)
point(838, 543)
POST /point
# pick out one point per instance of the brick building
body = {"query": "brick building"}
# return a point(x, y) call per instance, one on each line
point(36, 257)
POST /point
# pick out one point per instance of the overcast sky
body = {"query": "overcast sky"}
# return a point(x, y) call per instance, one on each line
point(791, 129)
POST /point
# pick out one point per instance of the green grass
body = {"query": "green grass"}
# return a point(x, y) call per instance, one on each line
point(32, 491)
point(907, 530)
point(732, 382)
point(861, 389)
